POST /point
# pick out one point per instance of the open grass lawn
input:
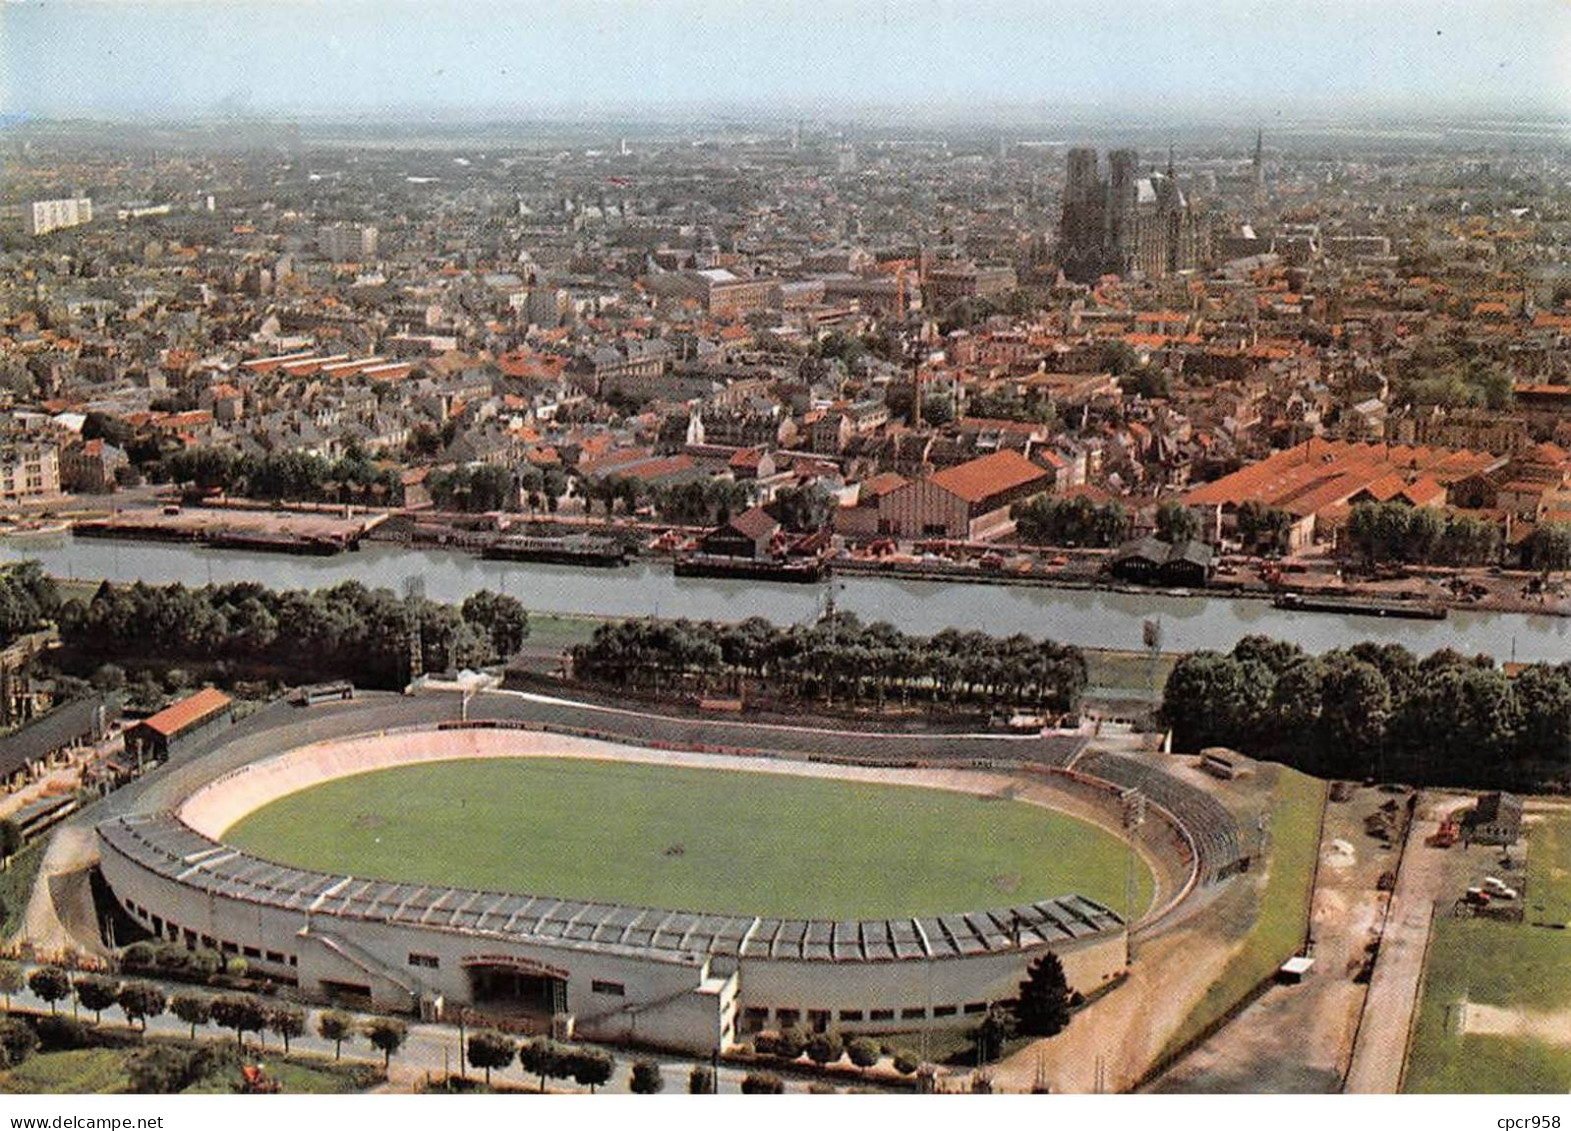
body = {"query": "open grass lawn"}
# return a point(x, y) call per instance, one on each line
point(700, 840)
point(1114, 669)
point(1281, 913)
point(1549, 871)
point(562, 630)
point(1501, 964)
point(79, 1072)
point(1476, 960)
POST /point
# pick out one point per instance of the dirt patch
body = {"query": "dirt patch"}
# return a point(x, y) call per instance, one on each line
point(1551, 1028)
point(370, 821)
point(1006, 884)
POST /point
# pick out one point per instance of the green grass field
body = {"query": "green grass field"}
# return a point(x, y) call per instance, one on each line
point(1117, 670)
point(1276, 921)
point(1500, 964)
point(700, 840)
point(77, 1072)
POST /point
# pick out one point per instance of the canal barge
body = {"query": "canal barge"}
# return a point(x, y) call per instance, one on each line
point(801, 570)
point(571, 549)
point(1361, 606)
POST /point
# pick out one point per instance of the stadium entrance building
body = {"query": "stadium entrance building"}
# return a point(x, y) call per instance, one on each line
point(516, 984)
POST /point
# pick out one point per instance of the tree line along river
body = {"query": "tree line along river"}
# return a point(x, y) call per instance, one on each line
point(1089, 618)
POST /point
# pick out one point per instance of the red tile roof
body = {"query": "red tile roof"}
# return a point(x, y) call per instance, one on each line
point(990, 475)
point(190, 710)
point(1323, 473)
point(755, 523)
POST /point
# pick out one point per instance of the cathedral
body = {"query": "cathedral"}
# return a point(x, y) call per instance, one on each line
point(1126, 224)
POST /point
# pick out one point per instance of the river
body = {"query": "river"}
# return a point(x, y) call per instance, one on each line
point(1088, 618)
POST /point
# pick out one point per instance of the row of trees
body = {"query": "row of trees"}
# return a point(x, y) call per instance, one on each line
point(240, 1012)
point(839, 658)
point(1075, 521)
point(612, 491)
point(548, 1059)
point(478, 489)
point(1375, 710)
point(347, 631)
point(293, 475)
point(700, 502)
point(695, 502)
point(826, 1048)
point(707, 502)
point(1393, 531)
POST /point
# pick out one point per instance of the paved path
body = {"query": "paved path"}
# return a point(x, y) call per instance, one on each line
point(1381, 1047)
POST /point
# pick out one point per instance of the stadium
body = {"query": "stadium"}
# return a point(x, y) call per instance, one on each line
point(503, 854)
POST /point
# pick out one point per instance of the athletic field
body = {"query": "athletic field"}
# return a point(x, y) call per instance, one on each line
point(692, 839)
point(1496, 1009)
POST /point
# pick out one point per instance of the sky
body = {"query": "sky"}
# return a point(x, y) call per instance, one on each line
point(1254, 59)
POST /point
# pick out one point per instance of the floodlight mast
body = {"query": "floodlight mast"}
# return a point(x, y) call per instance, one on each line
point(1134, 816)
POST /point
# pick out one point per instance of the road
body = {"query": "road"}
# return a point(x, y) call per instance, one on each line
point(1380, 1051)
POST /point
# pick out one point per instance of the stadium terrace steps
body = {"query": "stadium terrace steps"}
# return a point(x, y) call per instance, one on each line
point(1207, 820)
point(719, 735)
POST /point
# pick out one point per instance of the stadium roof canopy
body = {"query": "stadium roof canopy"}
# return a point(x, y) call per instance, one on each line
point(170, 848)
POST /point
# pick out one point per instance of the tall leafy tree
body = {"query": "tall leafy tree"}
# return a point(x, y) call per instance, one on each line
point(241, 1012)
point(97, 994)
point(488, 1049)
point(1543, 699)
point(193, 1009)
point(141, 1001)
point(50, 983)
point(544, 1057)
point(592, 1068)
point(287, 1020)
point(387, 1036)
point(1176, 522)
point(336, 1026)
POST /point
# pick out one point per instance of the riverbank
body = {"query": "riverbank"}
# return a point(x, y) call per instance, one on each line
point(1088, 617)
point(318, 532)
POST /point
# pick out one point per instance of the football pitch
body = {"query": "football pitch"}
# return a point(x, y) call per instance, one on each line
point(693, 839)
point(1496, 1009)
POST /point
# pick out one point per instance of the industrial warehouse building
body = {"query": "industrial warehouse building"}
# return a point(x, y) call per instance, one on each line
point(28, 753)
point(968, 502)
